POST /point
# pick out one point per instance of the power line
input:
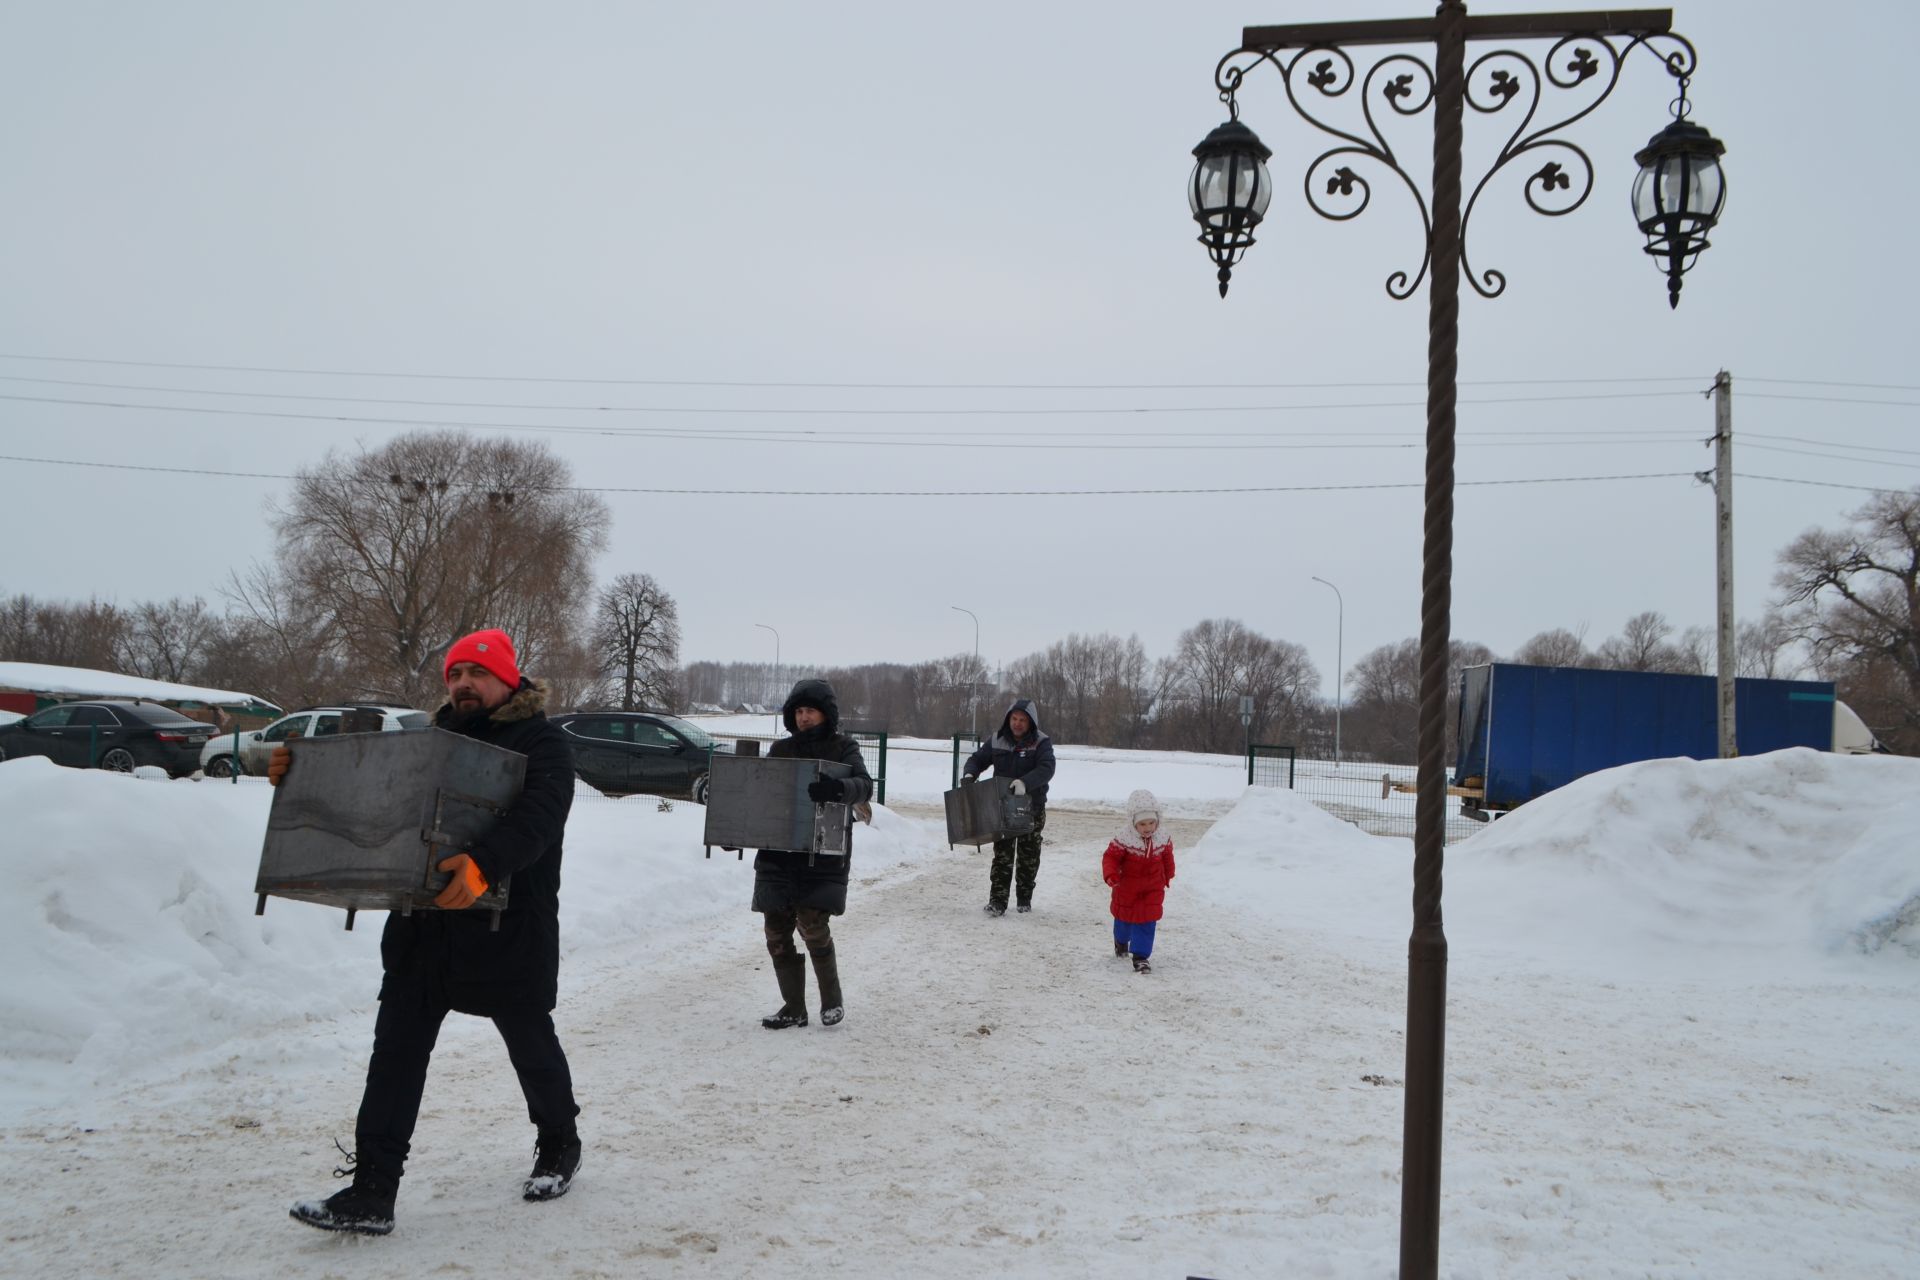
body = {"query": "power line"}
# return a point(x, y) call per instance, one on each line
point(226, 393)
point(893, 493)
point(851, 386)
point(1815, 453)
point(1823, 382)
point(1820, 484)
point(1780, 395)
point(1834, 444)
point(790, 411)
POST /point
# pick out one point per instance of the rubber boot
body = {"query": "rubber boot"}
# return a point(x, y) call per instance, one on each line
point(791, 970)
point(826, 968)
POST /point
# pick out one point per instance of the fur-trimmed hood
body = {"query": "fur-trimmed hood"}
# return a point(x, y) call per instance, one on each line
point(528, 701)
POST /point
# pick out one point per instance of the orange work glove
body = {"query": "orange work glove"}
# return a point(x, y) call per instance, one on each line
point(466, 885)
point(277, 764)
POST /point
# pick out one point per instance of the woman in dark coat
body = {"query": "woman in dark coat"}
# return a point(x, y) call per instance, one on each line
point(805, 890)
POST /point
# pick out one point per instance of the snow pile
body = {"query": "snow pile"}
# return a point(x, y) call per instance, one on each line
point(132, 951)
point(1286, 858)
point(1686, 867)
point(1676, 869)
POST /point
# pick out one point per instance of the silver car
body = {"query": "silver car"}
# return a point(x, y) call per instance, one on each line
point(217, 757)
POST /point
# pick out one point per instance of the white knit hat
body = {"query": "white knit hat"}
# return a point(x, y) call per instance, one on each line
point(1141, 804)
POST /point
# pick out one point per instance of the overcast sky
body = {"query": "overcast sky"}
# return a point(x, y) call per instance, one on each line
point(990, 197)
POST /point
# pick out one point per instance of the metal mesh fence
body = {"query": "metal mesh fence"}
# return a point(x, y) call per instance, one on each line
point(1376, 797)
point(873, 752)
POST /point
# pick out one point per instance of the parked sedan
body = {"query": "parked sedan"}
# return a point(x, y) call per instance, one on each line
point(309, 722)
point(628, 752)
point(109, 735)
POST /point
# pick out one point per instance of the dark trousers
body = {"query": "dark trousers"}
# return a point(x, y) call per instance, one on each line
point(403, 1040)
point(815, 927)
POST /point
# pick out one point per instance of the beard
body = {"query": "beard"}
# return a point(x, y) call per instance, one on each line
point(467, 715)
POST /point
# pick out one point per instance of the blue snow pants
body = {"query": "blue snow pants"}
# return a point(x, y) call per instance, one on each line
point(1138, 937)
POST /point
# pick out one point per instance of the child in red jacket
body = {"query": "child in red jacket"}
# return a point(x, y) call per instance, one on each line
point(1139, 867)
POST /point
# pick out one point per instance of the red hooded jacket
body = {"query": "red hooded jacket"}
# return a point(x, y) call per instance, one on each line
point(1139, 869)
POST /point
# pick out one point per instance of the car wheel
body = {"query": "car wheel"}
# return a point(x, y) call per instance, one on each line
point(119, 759)
point(222, 767)
point(699, 789)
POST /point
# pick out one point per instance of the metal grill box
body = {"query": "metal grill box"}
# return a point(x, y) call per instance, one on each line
point(987, 810)
point(756, 802)
point(361, 820)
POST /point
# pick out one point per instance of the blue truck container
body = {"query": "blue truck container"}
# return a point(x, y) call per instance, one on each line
point(1525, 730)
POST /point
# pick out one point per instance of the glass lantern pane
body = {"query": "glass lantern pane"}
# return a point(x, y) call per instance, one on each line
point(1643, 189)
point(1707, 189)
point(1264, 196)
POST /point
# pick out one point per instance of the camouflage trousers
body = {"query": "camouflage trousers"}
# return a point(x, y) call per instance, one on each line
point(1017, 861)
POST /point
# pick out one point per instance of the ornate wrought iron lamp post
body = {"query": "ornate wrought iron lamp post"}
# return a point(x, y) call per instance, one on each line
point(1677, 200)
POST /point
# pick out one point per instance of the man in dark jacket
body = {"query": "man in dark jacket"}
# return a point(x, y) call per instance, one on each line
point(451, 960)
point(805, 890)
point(1023, 752)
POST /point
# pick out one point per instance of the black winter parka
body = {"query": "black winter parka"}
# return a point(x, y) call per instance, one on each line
point(782, 880)
point(1029, 759)
point(456, 955)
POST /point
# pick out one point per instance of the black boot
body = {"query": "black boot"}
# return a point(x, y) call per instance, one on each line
point(791, 970)
point(1140, 965)
point(1120, 949)
point(556, 1158)
point(364, 1208)
point(1024, 905)
point(996, 906)
point(826, 969)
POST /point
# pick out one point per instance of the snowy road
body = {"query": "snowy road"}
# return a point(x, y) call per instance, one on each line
point(1001, 1099)
point(1007, 1099)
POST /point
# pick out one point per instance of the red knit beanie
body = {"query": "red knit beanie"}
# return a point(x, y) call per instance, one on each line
point(491, 649)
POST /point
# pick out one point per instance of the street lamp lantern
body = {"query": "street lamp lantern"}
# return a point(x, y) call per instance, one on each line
point(1678, 195)
point(1229, 192)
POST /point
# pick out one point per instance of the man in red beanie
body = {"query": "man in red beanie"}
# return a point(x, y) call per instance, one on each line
point(450, 960)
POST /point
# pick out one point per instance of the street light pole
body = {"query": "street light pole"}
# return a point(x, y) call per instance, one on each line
point(776, 662)
point(1677, 200)
point(1339, 659)
point(973, 703)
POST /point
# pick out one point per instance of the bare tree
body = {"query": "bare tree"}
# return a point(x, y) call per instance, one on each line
point(1383, 712)
point(1852, 596)
point(1641, 646)
point(1556, 648)
point(1219, 661)
point(1765, 647)
point(404, 548)
point(274, 644)
point(636, 639)
point(167, 641)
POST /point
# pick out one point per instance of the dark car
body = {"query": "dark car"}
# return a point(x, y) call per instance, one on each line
point(109, 735)
point(627, 752)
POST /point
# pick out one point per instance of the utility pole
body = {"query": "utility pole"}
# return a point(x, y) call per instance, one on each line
point(1728, 659)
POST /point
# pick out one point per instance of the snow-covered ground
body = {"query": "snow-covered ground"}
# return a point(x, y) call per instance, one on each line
point(1680, 1042)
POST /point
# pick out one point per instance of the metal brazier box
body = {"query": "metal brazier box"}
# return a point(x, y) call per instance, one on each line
point(757, 802)
point(362, 820)
point(987, 810)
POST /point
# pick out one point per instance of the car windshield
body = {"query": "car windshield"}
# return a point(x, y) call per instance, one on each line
point(413, 720)
point(153, 714)
point(691, 732)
